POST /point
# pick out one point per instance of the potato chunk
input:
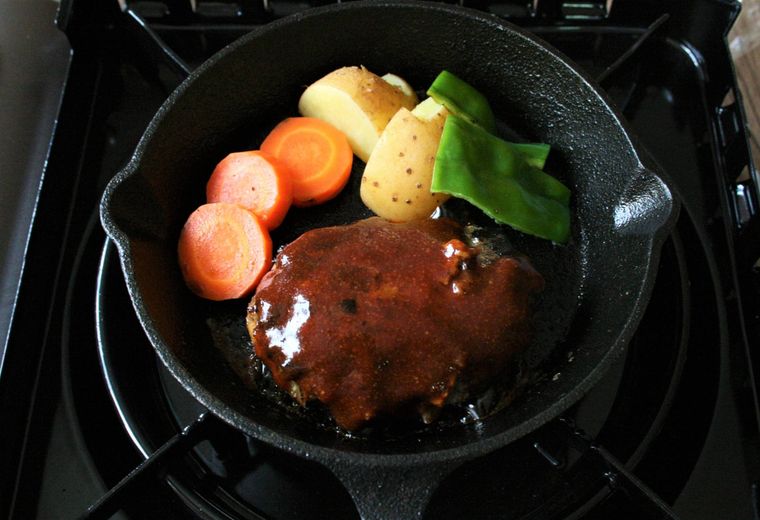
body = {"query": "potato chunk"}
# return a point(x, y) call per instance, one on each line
point(356, 102)
point(401, 84)
point(396, 181)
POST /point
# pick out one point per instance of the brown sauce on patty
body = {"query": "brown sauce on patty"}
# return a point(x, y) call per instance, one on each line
point(377, 319)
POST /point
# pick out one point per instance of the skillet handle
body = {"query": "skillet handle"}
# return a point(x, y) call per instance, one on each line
point(382, 492)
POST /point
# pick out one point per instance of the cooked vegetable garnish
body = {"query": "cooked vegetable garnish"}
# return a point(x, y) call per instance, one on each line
point(495, 176)
point(357, 102)
point(401, 84)
point(255, 180)
point(224, 250)
point(535, 153)
point(315, 153)
point(462, 99)
point(396, 181)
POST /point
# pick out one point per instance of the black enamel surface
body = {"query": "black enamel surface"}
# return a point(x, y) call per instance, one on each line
point(598, 284)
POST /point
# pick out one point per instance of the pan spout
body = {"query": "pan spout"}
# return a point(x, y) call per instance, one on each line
point(131, 209)
point(645, 205)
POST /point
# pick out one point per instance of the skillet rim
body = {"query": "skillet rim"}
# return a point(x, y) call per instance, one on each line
point(332, 456)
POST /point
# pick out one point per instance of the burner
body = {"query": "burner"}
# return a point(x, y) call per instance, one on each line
point(673, 353)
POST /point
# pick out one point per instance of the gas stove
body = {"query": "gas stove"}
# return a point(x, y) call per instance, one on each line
point(94, 426)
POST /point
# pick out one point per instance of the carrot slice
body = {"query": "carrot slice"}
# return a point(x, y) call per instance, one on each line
point(316, 154)
point(255, 180)
point(224, 250)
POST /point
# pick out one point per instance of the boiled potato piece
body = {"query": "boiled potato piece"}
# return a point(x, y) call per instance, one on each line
point(356, 102)
point(430, 109)
point(401, 84)
point(396, 181)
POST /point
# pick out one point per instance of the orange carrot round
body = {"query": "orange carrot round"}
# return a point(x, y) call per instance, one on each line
point(255, 180)
point(224, 250)
point(316, 154)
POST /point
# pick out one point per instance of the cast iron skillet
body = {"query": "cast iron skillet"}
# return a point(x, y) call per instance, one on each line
point(597, 286)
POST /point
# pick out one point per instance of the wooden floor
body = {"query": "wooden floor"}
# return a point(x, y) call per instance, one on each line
point(744, 39)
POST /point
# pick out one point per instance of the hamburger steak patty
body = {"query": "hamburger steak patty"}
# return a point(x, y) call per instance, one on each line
point(377, 319)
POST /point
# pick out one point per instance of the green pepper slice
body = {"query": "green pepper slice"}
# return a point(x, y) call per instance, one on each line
point(462, 99)
point(496, 176)
point(535, 153)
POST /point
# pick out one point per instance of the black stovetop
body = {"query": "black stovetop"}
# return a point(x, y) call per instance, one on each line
point(83, 399)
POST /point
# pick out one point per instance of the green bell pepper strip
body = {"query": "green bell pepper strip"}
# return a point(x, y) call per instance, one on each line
point(465, 101)
point(462, 99)
point(535, 153)
point(495, 176)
